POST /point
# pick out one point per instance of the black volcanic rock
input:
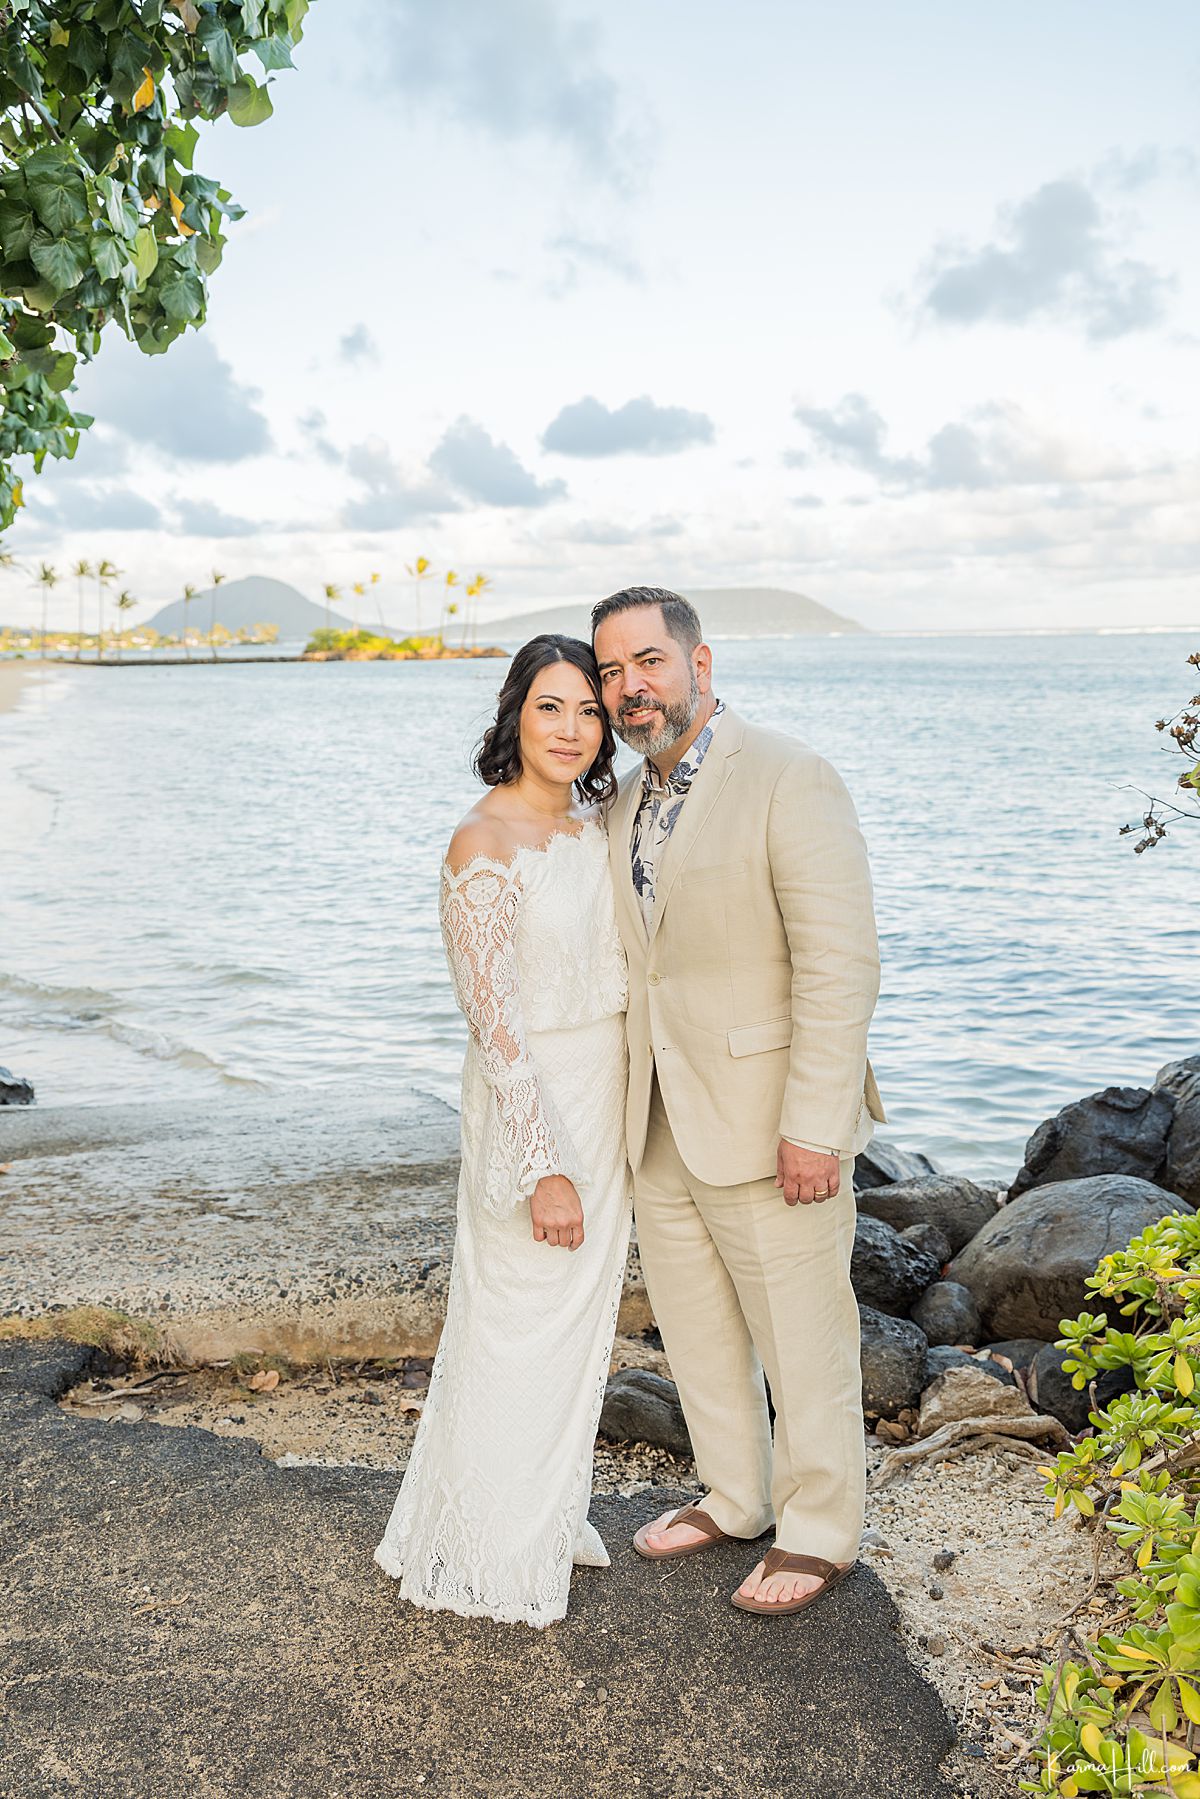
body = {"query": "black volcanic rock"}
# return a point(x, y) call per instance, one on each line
point(956, 1205)
point(947, 1313)
point(879, 1164)
point(13, 1090)
point(641, 1407)
point(1180, 1081)
point(1122, 1130)
point(1027, 1268)
point(886, 1271)
point(894, 1356)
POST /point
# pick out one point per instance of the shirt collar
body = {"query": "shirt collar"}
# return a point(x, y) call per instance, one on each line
point(686, 769)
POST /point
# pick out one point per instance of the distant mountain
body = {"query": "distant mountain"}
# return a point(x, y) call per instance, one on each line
point(254, 600)
point(724, 612)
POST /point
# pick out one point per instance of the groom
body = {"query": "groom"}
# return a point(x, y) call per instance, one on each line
point(744, 903)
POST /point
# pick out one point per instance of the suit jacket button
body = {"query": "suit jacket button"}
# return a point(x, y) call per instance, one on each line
point(654, 979)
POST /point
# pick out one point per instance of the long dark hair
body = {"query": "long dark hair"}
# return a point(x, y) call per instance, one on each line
point(498, 758)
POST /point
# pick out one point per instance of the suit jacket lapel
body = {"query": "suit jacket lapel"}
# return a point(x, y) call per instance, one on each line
point(714, 771)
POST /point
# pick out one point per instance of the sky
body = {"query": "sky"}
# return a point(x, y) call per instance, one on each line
point(895, 307)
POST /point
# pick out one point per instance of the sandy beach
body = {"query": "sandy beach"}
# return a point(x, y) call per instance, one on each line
point(13, 677)
point(17, 679)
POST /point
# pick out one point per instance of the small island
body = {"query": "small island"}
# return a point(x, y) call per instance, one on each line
point(367, 646)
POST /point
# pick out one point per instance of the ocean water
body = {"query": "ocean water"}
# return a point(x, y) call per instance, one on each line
point(223, 879)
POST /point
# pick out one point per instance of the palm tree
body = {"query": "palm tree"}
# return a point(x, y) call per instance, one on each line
point(45, 580)
point(82, 572)
point(123, 602)
point(105, 572)
point(217, 578)
point(189, 594)
point(474, 590)
point(359, 588)
point(420, 571)
point(448, 610)
point(378, 603)
point(332, 592)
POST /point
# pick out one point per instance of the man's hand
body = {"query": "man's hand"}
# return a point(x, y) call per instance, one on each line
point(556, 1212)
point(805, 1175)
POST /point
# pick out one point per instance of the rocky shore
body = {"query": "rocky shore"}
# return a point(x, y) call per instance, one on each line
point(284, 1264)
point(310, 1228)
point(292, 1226)
point(950, 1274)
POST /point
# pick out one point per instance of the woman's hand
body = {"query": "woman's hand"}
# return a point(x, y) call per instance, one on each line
point(556, 1212)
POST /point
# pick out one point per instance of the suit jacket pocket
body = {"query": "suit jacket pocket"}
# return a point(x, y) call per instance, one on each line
point(753, 1039)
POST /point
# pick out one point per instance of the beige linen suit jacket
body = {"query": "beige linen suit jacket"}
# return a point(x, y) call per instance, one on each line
point(753, 992)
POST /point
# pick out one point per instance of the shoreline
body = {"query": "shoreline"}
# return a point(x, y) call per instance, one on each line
point(135, 659)
point(14, 682)
point(183, 1215)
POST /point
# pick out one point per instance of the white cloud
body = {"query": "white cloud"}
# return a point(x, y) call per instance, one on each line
point(357, 343)
point(1055, 255)
point(391, 500)
point(608, 533)
point(640, 427)
point(89, 507)
point(487, 471)
point(994, 446)
point(201, 518)
point(517, 69)
point(583, 258)
point(187, 403)
point(312, 426)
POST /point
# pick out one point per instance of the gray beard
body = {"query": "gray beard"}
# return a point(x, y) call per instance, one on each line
point(677, 720)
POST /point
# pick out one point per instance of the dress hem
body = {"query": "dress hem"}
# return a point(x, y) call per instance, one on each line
point(499, 1614)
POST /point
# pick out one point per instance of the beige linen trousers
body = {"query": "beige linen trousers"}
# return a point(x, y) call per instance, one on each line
point(749, 1001)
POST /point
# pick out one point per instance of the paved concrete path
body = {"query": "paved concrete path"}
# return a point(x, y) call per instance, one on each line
point(305, 1225)
point(182, 1617)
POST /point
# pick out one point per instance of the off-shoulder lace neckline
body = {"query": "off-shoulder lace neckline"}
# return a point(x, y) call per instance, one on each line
point(455, 875)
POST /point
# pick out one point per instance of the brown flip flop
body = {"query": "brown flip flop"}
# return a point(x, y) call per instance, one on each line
point(778, 1561)
point(687, 1514)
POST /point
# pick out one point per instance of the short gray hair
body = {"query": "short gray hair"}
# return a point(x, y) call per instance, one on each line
point(679, 615)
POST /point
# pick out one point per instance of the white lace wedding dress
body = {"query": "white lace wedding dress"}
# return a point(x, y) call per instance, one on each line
point(493, 1508)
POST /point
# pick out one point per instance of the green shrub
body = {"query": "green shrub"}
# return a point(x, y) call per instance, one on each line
point(1120, 1722)
point(368, 646)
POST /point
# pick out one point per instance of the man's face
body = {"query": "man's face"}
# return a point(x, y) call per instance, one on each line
point(648, 680)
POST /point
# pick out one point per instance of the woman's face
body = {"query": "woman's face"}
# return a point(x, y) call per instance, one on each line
point(561, 725)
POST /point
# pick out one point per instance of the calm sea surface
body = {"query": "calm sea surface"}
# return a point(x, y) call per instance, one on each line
point(216, 879)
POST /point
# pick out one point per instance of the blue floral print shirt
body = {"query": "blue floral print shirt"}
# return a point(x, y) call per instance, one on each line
point(658, 814)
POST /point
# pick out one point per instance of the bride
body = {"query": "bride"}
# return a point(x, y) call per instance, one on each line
point(493, 1508)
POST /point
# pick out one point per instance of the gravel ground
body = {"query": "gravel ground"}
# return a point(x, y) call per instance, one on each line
point(981, 1574)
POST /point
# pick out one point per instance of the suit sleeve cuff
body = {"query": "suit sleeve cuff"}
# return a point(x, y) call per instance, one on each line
point(820, 1149)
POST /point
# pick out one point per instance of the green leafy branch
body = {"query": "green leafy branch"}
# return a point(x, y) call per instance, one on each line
point(1183, 728)
point(1122, 1721)
point(103, 217)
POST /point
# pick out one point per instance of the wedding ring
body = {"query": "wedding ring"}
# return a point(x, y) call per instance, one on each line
point(820, 1192)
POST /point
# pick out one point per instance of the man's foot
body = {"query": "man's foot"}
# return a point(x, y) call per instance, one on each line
point(663, 1534)
point(685, 1531)
point(783, 1588)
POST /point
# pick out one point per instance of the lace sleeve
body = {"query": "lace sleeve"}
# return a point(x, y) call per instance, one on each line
point(479, 907)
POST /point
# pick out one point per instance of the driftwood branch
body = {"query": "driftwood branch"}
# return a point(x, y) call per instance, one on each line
point(993, 1429)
